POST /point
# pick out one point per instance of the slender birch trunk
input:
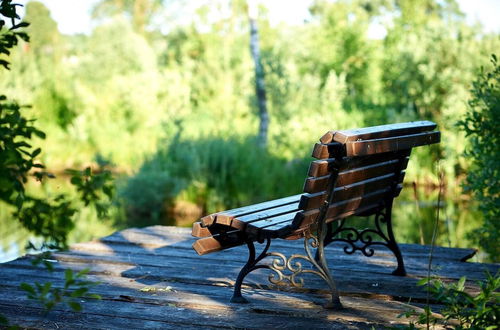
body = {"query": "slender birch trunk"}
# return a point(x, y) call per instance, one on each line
point(260, 89)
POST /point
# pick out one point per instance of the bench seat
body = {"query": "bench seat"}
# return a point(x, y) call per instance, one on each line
point(271, 219)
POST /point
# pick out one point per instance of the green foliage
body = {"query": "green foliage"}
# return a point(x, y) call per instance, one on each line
point(9, 37)
point(17, 158)
point(50, 218)
point(94, 188)
point(482, 126)
point(75, 287)
point(4, 322)
point(481, 311)
point(212, 172)
point(119, 91)
point(141, 12)
point(43, 32)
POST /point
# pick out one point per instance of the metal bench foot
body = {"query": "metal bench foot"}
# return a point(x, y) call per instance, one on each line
point(238, 299)
point(334, 304)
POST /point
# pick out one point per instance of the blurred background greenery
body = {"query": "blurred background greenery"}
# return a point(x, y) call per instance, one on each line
point(170, 104)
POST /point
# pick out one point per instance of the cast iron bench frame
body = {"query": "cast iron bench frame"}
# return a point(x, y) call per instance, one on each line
point(359, 172)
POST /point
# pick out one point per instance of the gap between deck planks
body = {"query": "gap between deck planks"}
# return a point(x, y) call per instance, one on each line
point(199, 288)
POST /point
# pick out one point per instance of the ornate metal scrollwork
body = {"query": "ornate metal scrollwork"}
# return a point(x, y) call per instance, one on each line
point(364, 240)
point(360, 240)
point(287, 270)
point(282, 264)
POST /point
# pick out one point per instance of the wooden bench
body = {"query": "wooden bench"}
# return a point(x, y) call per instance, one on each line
point(357, 173)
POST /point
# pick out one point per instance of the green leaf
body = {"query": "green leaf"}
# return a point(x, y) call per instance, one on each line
point(49, 305)
point(423, 281)
point(68, 275)
point(77, 307)
point(40, 134)
point(28, 288)
point(83, 272)
point(79, 292)
point(46, 287)
point(36, 152)
point(21, 25)
point(461, 283)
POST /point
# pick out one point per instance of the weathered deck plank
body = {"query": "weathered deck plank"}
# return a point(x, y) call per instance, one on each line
point(151, 278)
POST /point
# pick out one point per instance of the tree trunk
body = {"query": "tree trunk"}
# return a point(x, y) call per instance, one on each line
point(260, 89)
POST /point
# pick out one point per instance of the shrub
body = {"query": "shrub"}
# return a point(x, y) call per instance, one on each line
point(482, 126)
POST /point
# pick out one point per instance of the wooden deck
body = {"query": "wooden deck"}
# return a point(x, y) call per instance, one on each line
point(151, 278)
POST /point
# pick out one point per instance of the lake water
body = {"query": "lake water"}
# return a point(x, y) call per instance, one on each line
point(414, 216)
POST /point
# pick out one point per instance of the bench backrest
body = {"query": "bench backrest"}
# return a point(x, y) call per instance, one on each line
point(360, 170)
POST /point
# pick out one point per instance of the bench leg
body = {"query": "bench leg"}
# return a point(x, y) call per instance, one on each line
point(281, 264)
point(249, 267)
point(362, 240)
point(323, 230)
point(393, 246)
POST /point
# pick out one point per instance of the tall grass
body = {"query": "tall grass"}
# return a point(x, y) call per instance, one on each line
point(214, 173)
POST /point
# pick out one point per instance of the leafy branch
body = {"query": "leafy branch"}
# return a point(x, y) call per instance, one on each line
point(75, 286)
point(481, 311)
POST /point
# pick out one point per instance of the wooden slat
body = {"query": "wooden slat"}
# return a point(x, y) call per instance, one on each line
point(322, 151)
point(327, 137)
point(363, 187)
point(240, 222)
point(281, 230)
point(367, 172)
point(222, 217)
point(383, 131)
point(269, 227)
point(200, 231)
point(321, 167)
point(208, 220)
point(313, 185)
point(369, 147)
point(318, 184)
point(312, 201)
point(218, 242)
point(349, 191)
point(336, 209)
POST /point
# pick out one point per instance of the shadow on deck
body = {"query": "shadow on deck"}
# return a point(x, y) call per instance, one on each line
point(151, 278)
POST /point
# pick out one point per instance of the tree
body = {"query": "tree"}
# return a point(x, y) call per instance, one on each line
point(43, 30)
point(260, 88)
point(141, 12)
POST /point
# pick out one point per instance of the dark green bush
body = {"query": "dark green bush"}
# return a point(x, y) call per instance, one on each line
point(482, 126)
